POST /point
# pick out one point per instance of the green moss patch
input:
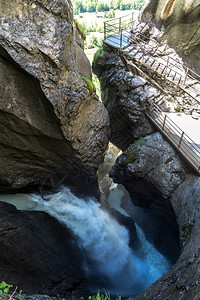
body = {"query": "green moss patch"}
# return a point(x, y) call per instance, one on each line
point(187, 228)
point(131, 152)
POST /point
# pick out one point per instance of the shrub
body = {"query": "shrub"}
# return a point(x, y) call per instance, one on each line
point(94, 40)
point(98, 54)
point(5, 287)
point(101, 297)
point(101, 6)
point(110, 14)
point(125, 5)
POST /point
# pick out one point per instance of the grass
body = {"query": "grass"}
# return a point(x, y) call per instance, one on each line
point(99, 296)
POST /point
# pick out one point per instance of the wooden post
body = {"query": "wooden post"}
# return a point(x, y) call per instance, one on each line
point(185, 76)
point(164, 122)
point(167, 62)
point(169, 72)
point(179, 144)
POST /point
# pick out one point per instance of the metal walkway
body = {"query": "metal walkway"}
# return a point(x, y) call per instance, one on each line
point(119, 34)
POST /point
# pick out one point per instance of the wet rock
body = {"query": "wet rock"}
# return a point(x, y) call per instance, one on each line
point(182, 280)
point(37, 253)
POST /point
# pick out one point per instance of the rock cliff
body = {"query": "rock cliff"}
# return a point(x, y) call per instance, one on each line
point(152, 171)
point(52, 128)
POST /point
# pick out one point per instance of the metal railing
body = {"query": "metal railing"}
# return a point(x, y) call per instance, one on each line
point(179, 139)
point(120, 32)
point(116, 28)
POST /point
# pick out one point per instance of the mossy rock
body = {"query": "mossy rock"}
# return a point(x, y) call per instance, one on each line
point(98, 54)
point(80, 29)
point(187, 228)
point(131, 152)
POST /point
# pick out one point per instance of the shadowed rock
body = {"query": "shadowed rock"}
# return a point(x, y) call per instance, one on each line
point(37, 254)
point(53, 123)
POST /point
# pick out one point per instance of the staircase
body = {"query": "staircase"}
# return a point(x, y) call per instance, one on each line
point(144, 52)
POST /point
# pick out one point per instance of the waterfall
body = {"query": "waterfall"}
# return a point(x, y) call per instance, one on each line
point(106, 243)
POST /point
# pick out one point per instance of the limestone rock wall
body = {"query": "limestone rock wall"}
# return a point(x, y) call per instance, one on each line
point(154, 174)
point(181, 26)
point(51, 119)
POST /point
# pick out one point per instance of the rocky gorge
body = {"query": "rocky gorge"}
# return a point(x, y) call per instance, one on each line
point(55, 131)
point(150, 169)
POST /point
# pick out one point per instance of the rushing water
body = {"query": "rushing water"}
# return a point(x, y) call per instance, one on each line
point(106, 243)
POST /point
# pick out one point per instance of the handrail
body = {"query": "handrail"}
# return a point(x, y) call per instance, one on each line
point(167, 69)
point(180, 140)
point(121, 38)
point(171, 58)
point(188, 70)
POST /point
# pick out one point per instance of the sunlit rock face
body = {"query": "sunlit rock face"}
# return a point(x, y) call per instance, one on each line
point(181, 26)
point(50, 121)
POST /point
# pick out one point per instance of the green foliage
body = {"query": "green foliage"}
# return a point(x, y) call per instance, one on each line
point(93, 40)
point(90, 85)
point(19, 296)
point(101, 297)
point(80, 29)
point(125, 5)
point(110, 14)
point(102, 6)
point(5, 287)
point(98, 54)
point(131, 152)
